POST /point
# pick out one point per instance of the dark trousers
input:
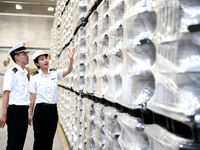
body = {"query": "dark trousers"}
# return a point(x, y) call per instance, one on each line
point(45, 121)
point(17, 125)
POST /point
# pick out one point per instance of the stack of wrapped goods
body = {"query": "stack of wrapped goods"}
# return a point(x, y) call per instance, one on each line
point(135, 79)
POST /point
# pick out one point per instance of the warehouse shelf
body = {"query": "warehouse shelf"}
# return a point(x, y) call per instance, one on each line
point(139, 58)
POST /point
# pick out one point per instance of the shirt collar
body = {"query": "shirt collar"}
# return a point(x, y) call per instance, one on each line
point(40, 72)
point(21, 70)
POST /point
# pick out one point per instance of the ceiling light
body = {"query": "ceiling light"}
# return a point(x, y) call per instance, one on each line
point(18, 6)
point(50, 9)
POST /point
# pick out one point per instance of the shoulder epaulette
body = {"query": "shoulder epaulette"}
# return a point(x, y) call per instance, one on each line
point(34, 73)
point(53, 69)
point(14, 70)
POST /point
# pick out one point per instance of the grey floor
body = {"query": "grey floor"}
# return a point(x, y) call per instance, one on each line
point(57, 145)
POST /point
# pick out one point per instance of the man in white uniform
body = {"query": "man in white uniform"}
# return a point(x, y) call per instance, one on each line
point(16, 99)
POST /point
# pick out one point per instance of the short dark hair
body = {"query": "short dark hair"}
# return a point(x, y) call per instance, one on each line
point(13, 56)
point(36, 61)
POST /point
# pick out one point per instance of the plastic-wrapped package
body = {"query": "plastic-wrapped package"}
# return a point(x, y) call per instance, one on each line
point(94, 49)
point(141, 54)
point(90, 144)
point(111, 78)
point(105, 44)
point(181, 55)
point(138, 6)
point(79, 119)
point(175, 17)
point(115, 36)
point(82, 9)
point(78, 144)
point(63, 107)
point(94, 37)
point(114, 92)
point(103, 8)
point(104, 24)
point(84, 121)
point(89, 42)
point(93, 86)
point(111, 128)
point(101, 74)
point(179, 93)
point(140, 88)
point(98, 92)
point(90, 4)
point(90, 114)
point(191, 14)
point(111, 144)
point(89, 75)
point(116, 11)
point(177, 81)
point(99, 138)
point(116, 59)
point(93, 19)
point(139, 26)
point(164, 140)
point(103, 21)
point(132, 137)
point(82, 72)
point(99, 118)
point(129, 80)
point(77, 137)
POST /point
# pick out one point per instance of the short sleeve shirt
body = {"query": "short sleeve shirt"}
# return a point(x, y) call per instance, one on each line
point(45, 86)
point(16, 81)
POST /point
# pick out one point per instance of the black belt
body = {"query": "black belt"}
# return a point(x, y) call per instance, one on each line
point(46, 104)
point(14, 105)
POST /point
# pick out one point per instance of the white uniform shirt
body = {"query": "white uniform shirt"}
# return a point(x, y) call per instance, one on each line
point(45, 86)
point(16, 81)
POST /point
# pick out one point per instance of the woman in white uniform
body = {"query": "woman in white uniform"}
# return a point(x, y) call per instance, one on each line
point(43, 93)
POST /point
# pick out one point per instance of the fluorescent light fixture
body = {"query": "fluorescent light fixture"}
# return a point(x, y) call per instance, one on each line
point(50, 9)
point(18, 6)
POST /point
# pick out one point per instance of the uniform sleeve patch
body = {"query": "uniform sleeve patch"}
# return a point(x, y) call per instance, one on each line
point(53, 69)
point(14, 70)
point(34, 73)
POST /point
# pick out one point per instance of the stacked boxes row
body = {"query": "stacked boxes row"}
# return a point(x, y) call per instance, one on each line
point(67, 19)
point(53, 46)
point(135, 53)
point(131, 57)
point(177, 60)
point(113, 71)
point(69, 15)
point(93, 126)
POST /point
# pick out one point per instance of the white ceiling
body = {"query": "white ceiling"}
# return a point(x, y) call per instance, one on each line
point(29, 6)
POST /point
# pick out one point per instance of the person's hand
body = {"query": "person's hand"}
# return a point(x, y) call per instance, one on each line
point(3, 120)
point(71, 53)
point(30, 118)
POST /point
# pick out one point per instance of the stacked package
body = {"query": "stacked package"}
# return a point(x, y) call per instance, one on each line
point(131, 56)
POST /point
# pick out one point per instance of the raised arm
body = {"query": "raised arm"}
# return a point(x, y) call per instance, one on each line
point(69, 69)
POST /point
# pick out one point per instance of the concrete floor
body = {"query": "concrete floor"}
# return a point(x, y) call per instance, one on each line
point(57, 145)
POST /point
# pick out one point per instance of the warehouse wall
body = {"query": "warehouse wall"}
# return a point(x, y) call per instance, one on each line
point(33, 29)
